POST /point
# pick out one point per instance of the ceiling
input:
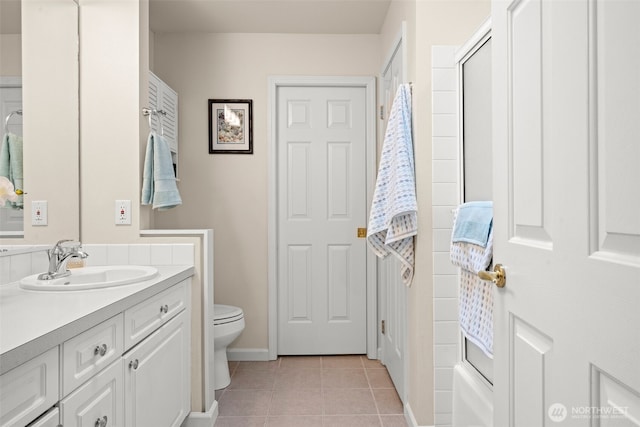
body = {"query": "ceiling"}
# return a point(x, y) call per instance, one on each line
point(268, 16)
point(248, 16)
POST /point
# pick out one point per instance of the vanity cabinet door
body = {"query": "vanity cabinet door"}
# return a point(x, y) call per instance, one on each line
point(146, 317)
point(88, 353)
point(98, 402)
point(157, 376)
point(29, 390)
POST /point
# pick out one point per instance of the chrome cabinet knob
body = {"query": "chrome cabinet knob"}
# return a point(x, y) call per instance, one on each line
point(133, 364)
point(100, 350)
point(101, 422)
point(164, 309)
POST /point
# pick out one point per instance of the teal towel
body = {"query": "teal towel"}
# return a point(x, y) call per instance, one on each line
point(473, 223)
point(11, 164)
point(158, 180)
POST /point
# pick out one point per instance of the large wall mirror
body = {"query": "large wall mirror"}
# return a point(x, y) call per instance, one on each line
point(39, 78)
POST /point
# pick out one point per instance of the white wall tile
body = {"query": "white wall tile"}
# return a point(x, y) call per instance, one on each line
point(441, 240)
point(445, 309)
point(442, 56)
point(5, 270)
point(443, 217)
point(445, 148)
point(161, 254)
point(443, 419)
point(444, 125)
point(442, 264)
point(445, 194)
point(446, 332)
point(140, 254)
point(445, 171)
point(444, 79)
point(20, 266)
point(117, 254)
point(444, 102)
point(443, 379)
point(446, 286)
point(97, 255)
point(183, 254)
point(443, 401)
point(445, 355)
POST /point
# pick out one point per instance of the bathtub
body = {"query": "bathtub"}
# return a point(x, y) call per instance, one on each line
point(472, 399)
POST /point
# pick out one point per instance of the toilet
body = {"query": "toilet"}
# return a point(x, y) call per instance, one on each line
point(228, 323)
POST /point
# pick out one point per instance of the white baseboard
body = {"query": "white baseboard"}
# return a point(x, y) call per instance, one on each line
point(202, 419)
point(411, 419)
point(248, 354)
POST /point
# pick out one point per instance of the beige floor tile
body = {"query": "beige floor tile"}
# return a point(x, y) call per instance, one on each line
point(330, 362)
point(300, 362)
point(372, 364)
point(346, 401)
point(268, 365)
point(240, 422)
point(393, 421)
point(388, 401)
point(344, 378)
point(297, 378)
point(295, 421)
point(245, 402)
point(379, 378)
point(296, 402)
point(250, 379)
point(352, 421)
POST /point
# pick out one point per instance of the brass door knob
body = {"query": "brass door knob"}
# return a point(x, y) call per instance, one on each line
point(497, 276)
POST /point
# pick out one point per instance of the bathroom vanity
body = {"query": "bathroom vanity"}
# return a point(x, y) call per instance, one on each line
point(102, 357)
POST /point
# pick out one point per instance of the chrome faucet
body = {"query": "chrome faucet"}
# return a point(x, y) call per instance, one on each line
point(58, 258)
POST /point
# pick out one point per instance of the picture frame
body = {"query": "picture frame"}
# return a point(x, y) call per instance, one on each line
point(230, 126)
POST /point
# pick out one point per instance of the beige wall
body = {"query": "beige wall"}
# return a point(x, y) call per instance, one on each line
point(229, 192)
point(10, 55)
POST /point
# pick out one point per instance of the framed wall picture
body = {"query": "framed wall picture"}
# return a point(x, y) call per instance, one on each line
point(230, 126)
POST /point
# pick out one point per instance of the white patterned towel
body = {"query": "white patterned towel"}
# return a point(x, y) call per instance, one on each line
point(476, 295)
point(393, 219)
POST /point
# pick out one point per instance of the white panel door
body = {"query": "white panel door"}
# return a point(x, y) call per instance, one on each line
point(321, 204)
point(393, 290)
point(567, 212)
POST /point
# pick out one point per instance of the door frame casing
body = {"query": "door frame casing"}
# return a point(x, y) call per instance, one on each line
point(274, 82)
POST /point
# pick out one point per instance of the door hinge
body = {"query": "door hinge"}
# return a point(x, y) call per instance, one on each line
point(382, 329)
point(382, 112)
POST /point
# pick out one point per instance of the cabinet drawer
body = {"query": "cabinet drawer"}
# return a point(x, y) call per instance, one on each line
point(29, 390)
point(86, 354)
point(144, 318)
point(97, 402)
point(50, 419)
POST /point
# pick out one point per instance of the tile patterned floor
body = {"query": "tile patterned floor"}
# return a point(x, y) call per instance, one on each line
point(310, 391)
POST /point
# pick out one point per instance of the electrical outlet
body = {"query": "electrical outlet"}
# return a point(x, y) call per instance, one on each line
point(39, 212)
point(123, 212)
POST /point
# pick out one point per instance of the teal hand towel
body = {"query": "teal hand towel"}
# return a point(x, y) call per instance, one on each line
point(473, 223)
point(11, 164)
point(158, 180)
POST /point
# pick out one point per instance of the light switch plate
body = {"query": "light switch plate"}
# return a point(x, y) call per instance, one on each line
point(123, 212)
point(39, 212)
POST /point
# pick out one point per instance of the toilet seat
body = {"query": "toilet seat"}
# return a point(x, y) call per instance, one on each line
point(226, 314)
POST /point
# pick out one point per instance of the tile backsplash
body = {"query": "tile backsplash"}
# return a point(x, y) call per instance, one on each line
point(20, 261)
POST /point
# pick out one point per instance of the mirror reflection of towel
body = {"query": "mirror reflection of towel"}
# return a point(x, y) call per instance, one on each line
point(158, 180)
point(11, 164)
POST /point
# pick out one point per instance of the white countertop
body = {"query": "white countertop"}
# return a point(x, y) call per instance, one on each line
point(32, 322)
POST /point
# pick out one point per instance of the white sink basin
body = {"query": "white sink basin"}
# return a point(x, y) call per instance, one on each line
point(92, 278)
